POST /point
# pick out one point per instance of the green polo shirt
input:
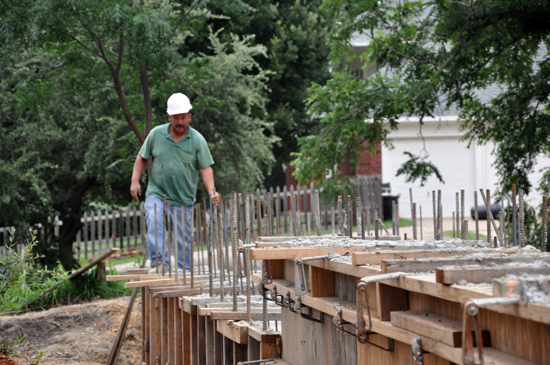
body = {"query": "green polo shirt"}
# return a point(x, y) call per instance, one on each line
point(175, 166)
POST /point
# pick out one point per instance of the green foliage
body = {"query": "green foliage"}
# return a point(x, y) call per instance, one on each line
point(14, 265)
point(417, 167)
point(9, 348)
point(431, 56)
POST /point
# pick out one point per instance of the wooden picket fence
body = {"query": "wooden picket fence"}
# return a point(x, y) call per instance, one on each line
point(127, 228)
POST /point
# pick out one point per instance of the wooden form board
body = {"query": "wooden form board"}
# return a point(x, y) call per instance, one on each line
point(326, 305)
point(137, 276)
point(485, 275)
point(426, 284)
point(150, 283)
point(419, 252)
point(235, 331)
point(292, 253)
point(440, 328)
point(427, 265)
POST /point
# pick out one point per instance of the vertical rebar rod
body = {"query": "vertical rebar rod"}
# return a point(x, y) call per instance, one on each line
point(192, 268)
point(163, 234)
point(363, 225)
point(434, 214)
point(502, 223)
point(412, 213)
point(291, 222)
point(264, 296)
point(457, 217)
point(234, 244)
point(175, 242)
point(414, 221)
point(465, 228)
point(476, 215)
point(368, 222)
point(489, 214)
point(318, 213)
point(462, 215)
point(393, 218)
point(277, 217)
point(269, 214)
point(183, 245)
point(248, 266)
point(340, 218)
point(376, 229)
point(210, 264)
point(439, 218)
point(544, 223)
point(332, 217)
point(521, 219)
point(221, 255)
point(350, 224)
point(396, 219)
point(260, 222)
point(514, 216)
point(156, 242)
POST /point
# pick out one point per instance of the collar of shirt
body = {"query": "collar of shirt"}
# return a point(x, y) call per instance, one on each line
point(167, 134)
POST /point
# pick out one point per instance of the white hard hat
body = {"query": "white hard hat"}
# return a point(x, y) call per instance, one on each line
point(178, 104)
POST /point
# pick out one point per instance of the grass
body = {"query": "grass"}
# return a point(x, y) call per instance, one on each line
point(471, 235)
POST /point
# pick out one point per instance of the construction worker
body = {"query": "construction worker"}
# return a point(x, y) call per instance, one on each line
point(178, 154)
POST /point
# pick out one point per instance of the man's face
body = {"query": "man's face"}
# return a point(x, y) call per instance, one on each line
point(180, 122)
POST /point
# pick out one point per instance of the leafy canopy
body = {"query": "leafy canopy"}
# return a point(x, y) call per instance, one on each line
point(433, 55)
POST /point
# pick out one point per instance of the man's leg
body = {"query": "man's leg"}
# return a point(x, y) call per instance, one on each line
point(152, 235)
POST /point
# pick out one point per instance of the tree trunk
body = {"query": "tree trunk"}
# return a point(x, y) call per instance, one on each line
point(70, 215)
point(144, 79)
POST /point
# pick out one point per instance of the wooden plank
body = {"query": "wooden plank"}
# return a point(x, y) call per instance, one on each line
point(239, 353)
point(387, 329)
point(209, 334)
point(150, 283)
point(263, 336)
point(242, 316)
point(178, 320)
point(218, 346)
point(440, 328)
point(234, 331)
point(137, 271)
point(276, 268)
point(415, 252)
point(227, 351)
point(485, 275)
point(425, 283)
point(321, 282)
point(187, 336)
point(164, 340)
point(171, 331)
point(391, 299)
point(253, 349)
point(292, 253)
point(201, 343)
point(427, 265)
point(131, 277)
point(194, 339)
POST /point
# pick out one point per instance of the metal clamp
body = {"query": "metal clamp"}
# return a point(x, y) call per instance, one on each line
point(417, 350)
point(471, 314)
point(286, 299)
point(277, 298)
point(298, 304)
point(362, 301)
point(339, 323)
point(300, 280)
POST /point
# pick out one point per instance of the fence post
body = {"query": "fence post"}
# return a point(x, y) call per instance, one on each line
point(134, 227)
point(128, 240)
point(285, 208)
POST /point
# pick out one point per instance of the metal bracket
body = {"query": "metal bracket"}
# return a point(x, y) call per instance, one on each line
point(300, 280)
point(309, 316)
point(298, 304)
point(471, 314)
point(339, 323)
point(286, 299)
point(362, 301)
point(277, 298)
point(417, 351)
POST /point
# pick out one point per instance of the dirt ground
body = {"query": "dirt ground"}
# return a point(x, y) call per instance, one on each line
point(78, 334)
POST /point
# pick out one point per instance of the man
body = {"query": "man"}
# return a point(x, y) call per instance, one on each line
point(179, 153)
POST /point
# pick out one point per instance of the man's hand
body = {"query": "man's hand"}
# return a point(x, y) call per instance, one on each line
point(135, 190)
point(215, 198)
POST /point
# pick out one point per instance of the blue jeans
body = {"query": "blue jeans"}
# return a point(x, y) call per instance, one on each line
point(150, 201)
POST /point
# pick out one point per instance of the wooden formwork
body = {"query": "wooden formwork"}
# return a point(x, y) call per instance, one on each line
point(182, 326)
point(424, 303)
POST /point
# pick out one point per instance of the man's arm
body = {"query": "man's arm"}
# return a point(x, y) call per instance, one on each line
point(139, 166)
point(208, 179)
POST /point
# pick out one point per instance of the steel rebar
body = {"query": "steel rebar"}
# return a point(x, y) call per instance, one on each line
point(234, 244)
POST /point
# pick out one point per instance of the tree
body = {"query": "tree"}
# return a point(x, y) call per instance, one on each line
point(294, 33)
point(432, 53)
point(88, 57)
